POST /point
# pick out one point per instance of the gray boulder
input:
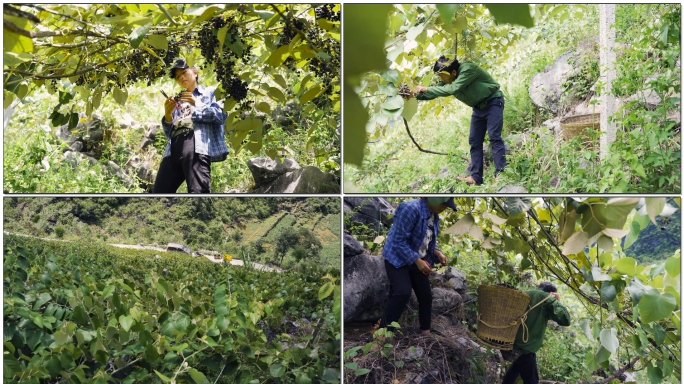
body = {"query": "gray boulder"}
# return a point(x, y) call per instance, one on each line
point(372, 211)
point(150, 135)
point(457, 280)
point(444, 300)
point(74, 158)
point(366, 287)
point(307, 180)
point(266, 170)
point(545, 87)
point(352, 247)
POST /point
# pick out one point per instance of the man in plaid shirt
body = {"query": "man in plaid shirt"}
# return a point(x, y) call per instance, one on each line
point(193, 124)
point(410, 253)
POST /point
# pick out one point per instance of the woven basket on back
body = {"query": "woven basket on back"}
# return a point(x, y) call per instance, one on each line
point(574, 126)
point(500, 311)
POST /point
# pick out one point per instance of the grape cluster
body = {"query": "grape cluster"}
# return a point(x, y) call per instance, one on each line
point(327, 70)
point(506, 285)
point(325, 11)
point(224, 62)
point(290, 30)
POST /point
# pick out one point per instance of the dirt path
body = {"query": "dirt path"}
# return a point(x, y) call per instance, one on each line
point(257, 266)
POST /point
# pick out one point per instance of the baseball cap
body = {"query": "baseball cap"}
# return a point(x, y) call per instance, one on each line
point(448, 201)
point(179, 63)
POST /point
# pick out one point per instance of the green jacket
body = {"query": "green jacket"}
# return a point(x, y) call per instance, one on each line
point(473, 86)
point(536, 321)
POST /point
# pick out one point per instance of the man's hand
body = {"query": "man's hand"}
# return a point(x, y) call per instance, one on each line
point(420, 89)
point(169, 106)
point(188, 98)
point(556, 295)
point(423, 266)
point(440, 256)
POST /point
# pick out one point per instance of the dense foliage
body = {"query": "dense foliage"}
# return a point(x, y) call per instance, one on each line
point(389, 46)
point(625, 314)
point(84, 312)
point(245, 227)
point(277, 67)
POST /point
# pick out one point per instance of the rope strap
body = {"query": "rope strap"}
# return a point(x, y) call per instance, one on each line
point(526, 331)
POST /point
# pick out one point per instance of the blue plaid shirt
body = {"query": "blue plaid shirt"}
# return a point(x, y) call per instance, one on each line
point(207, 121)
point(408, 232)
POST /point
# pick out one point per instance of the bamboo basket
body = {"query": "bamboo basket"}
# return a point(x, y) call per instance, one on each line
point(500, 312)
point(575, 126)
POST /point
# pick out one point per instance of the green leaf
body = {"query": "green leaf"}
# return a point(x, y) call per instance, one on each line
point(157, 41)
point(447, 11)
point(15, 58)
point(410, 109)
point(609, 339)
point(673, 266)
point(365, 32)
point(120, 95)
point(164, 378)
point(654, 206)
point(278, 57)
point(61, 338)
point(602, 355)
point(355, 117)
point(136, 37)
point(276, 94)
point(325, 290)
point(653, 306)
point(636, 291)
point(302, 378)
point(393, 103)
point(311, 94)
point(625, 266)
point(198, 376)
point(277, 370)
point(462, 226)
point(265, 15)
point(126, 322)
point(655, 375)
point(151, 354)
point(13, 42)
point(576, 243)
point(511, 14)
point(608, 293)
point(391, 76)
point(42, 299)
point(80, 315)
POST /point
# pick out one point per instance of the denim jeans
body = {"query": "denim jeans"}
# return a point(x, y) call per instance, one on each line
point(487, 120)
point(402, 281)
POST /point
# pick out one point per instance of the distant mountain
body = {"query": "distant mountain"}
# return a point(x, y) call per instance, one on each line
point(657, 242)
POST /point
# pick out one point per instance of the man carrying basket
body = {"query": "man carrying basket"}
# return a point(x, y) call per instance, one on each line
point(545, 304)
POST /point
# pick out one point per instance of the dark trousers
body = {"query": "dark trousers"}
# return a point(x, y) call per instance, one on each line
point(524, 366)
point(402, 281)
point(183, 165)
point(487, 120)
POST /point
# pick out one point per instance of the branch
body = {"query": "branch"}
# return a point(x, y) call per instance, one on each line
point(10, 10)
point(126, 366)
point(417, 145)
point(10, 26)
point(167, 14)
point(38, 7)
point(54, 76)
point(619, 371)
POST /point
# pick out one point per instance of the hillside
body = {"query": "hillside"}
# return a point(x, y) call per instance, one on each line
point(657, 242)
point(249, 228)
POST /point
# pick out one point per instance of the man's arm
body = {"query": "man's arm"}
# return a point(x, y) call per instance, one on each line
point(467, 75)
point(210, 112)
point(557, 311)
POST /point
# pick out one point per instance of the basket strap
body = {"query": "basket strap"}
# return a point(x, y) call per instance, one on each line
point(526, 331)
point(479, 318)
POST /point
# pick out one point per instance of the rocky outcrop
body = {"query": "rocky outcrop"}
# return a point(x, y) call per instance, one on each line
point(272, 176)
point(545, 87)
point(366, 287)
point(374, 212)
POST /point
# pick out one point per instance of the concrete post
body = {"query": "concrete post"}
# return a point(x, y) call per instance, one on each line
point(607, 65)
